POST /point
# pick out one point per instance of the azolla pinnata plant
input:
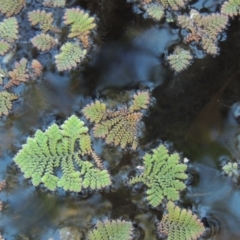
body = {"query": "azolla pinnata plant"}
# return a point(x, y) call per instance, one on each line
point(118, 127)
point(163, 175)
point(64, 147)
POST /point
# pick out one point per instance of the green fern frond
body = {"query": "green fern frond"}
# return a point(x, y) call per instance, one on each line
point(180, 59)
point(6, 99)
point(70, 55)
point(174, 4)
point(9, 29)
point(180, 224)
point(209, 46)
point(81, 23)
point(95, 112)
point(231, 8)
point(118, 127)
point(114, 230)
point(19, 74)
point(11, 7)
point(43, 42)
point(204, 29)
point(54, 3)
point(4, 47)
point(163, 175)
point(42, 18)
point(140, 101)
point(154, 11)
point(61, 147)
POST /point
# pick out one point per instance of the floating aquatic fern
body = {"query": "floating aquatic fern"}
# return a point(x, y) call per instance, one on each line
point(163, 175)
point(19, 74)
point(62, 147)
point(231, 8)
point(54, 3)
point(204, 29)
point(42, 18)
point(4, 47)
point(36, 68)
point(43, 42)
point(11, 7)
point(154, 11)
point(9, 29)
point(114, 230)
point(180, 59)
point(70, 54)
point(180, 224)
point(174, 4)
point(231, 169)
point(117, 127)
point(81, 24)
point(6, 99)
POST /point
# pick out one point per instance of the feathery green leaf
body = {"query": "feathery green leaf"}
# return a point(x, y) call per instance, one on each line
point(163, 175)
point(9, 29)
point(180, 59)
point(231, 8)
point(114, 230)
point(43, 42)
point(95, 112)
point(118, 127)
point(4, 47)
point(6, 99)
point(60, 147)
point(11, 7)
point(180, 224)
point(54, 3)
point(42, 18)
point(154, 11)
point(70, 55)
point(81, 23)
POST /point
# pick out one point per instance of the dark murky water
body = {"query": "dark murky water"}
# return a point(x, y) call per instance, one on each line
point(189, 111)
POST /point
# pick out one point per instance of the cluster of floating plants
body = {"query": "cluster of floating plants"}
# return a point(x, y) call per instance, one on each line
point(63, 156)
point(203, 29)
point(67, 146)
point(71, 52)
point(21, 73)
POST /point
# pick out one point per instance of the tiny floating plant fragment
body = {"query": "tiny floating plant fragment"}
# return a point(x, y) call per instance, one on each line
point(154, 11)
point(42, 18)
point(9, 29)
point(54, 3)
point(231, 8)
point(70, 55)
point(11, 7)
point(19, 74)
point(63, 147)
point(6, 99)
point(43, 42)
point(163, 175)
point(180, 224)
point(204, 29)
point(180, 59)
point(118, 127)
point(37, 68)
point(4, 47)
point(231, 169)
point(114, 230)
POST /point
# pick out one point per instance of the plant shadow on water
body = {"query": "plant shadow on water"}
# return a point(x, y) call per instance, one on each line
point(134, 60)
